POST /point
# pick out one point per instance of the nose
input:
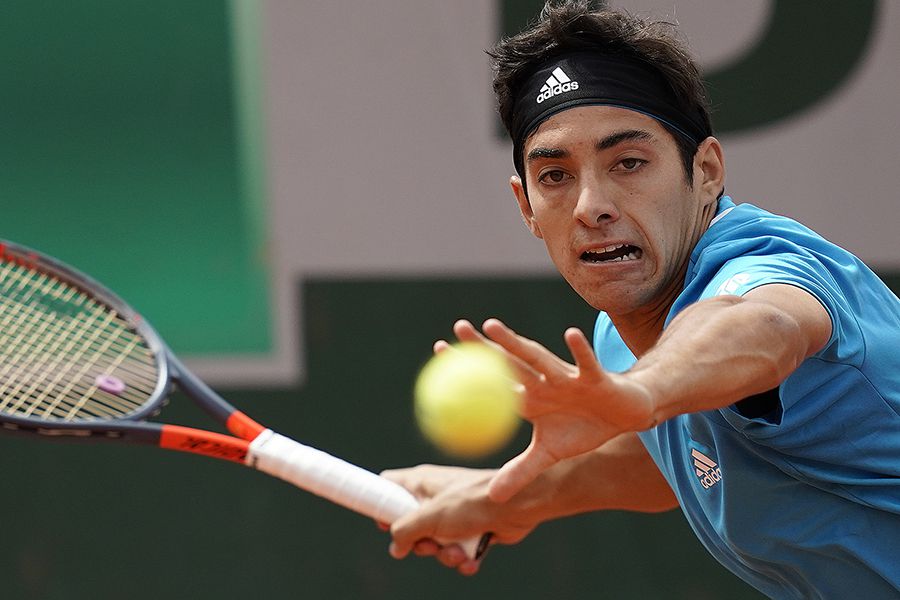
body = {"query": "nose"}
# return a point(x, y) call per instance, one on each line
point(595, 207)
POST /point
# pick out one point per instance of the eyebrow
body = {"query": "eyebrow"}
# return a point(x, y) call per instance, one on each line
point(613, 139)
point(547, 153)
point(628, 135)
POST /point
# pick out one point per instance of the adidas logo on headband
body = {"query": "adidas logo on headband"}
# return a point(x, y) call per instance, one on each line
point(557, 83)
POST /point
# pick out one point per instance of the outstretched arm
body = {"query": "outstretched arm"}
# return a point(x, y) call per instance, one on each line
point(714, 353)
point(455, 502)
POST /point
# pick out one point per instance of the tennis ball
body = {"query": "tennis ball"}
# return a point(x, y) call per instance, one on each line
point(465, 400)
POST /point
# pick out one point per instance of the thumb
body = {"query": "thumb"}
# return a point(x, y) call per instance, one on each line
point(519, 472)
point(405, 532)
point(395, 475)
point(421, 483)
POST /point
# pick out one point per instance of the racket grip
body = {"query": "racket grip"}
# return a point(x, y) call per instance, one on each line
point(338, 481)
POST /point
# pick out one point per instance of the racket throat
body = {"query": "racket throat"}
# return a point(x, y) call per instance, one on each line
point(243, 426)
point(207, 443)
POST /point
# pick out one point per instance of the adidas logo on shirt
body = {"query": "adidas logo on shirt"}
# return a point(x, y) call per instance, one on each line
point(708, 472)
point(557, 83)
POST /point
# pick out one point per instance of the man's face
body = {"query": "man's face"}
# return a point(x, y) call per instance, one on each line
point(608, 194)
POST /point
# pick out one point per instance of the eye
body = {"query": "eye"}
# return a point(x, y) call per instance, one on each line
point(630, 164)
point(553, 177)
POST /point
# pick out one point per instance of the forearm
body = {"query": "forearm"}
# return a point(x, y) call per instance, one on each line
point(717, 352)
point(620, 475)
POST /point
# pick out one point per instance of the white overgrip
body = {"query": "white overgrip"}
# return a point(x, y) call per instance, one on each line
point(330, 477)
point(335, 480)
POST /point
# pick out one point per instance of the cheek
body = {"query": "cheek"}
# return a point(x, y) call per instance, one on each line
point(546, 223)
point(661, 228)
point(674, 233)
point(557, 243)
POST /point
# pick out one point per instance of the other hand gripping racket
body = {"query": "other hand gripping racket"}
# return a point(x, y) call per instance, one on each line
point(76, 361)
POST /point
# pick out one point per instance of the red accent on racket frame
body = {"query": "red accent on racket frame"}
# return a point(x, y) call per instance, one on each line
point(243, 426)
point(207, 443)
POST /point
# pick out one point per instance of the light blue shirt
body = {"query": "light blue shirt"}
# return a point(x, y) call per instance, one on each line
point(805, 501)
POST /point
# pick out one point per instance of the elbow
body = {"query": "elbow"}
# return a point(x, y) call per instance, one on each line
point(787, 339)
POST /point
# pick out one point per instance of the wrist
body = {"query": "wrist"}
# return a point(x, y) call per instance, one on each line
point(656, 390)
point(541, 500)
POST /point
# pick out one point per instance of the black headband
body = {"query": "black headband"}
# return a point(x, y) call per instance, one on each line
point(590, 78)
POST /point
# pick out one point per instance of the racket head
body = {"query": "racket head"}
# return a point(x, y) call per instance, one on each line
point(74, 357)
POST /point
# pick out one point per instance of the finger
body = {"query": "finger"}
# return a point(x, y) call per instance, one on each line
point(519, 472)
point(383, 526)
point(395, 475)
point(582, 352)
point(408, 531)
point(526, 374)
point(469, 567)
point(466, 332)
point(534, 356)
point(396, 551)
point(412, 479)
point(426, 548)
point(440, 346)
point(452, 555)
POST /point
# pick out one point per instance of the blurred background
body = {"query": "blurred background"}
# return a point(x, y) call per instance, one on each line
point(302, 195)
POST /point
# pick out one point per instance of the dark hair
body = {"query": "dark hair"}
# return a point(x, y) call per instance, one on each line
point(577, 25)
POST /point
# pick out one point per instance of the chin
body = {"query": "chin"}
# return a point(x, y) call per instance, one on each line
point(614, 299)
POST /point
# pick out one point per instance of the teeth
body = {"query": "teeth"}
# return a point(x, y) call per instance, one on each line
point(630, 256)
point(607, 249)
point(633, 255)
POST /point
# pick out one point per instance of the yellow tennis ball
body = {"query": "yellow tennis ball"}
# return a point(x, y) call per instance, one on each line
point(466, 402)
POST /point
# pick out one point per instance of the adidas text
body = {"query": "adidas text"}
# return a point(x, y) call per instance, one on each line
point(557, 83)
point(549, 92)
point(707, 470)
point(711, 478)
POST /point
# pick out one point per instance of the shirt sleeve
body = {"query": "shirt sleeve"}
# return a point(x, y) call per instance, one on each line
point(786, 263)
point(742, 274)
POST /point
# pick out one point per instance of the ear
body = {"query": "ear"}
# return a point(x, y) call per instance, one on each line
point(525, 206)
point(709, 169)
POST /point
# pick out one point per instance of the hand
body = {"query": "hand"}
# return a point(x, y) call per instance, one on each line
point(574, 408)
point(454, 506)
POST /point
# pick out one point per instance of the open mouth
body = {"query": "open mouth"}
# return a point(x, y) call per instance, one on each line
point(615, 253)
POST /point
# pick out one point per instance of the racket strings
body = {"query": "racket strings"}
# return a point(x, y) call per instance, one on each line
point(58, 346)
point(62, 365)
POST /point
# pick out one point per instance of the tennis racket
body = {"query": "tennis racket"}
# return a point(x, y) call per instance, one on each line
point(76, 362)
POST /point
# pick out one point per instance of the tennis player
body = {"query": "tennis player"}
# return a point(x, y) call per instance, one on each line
point(743, 368)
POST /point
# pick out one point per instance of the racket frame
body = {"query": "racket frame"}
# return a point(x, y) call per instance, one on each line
point(130, 425)
point(282, 462)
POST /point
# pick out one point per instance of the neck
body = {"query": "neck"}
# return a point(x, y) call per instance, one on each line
point(641, 328)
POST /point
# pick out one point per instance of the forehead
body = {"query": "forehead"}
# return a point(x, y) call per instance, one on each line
point(587, 124)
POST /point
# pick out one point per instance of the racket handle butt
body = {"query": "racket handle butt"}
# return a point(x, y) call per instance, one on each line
point(477, 547)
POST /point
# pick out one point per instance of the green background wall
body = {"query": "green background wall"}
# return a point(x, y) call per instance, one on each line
point(123, 128)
